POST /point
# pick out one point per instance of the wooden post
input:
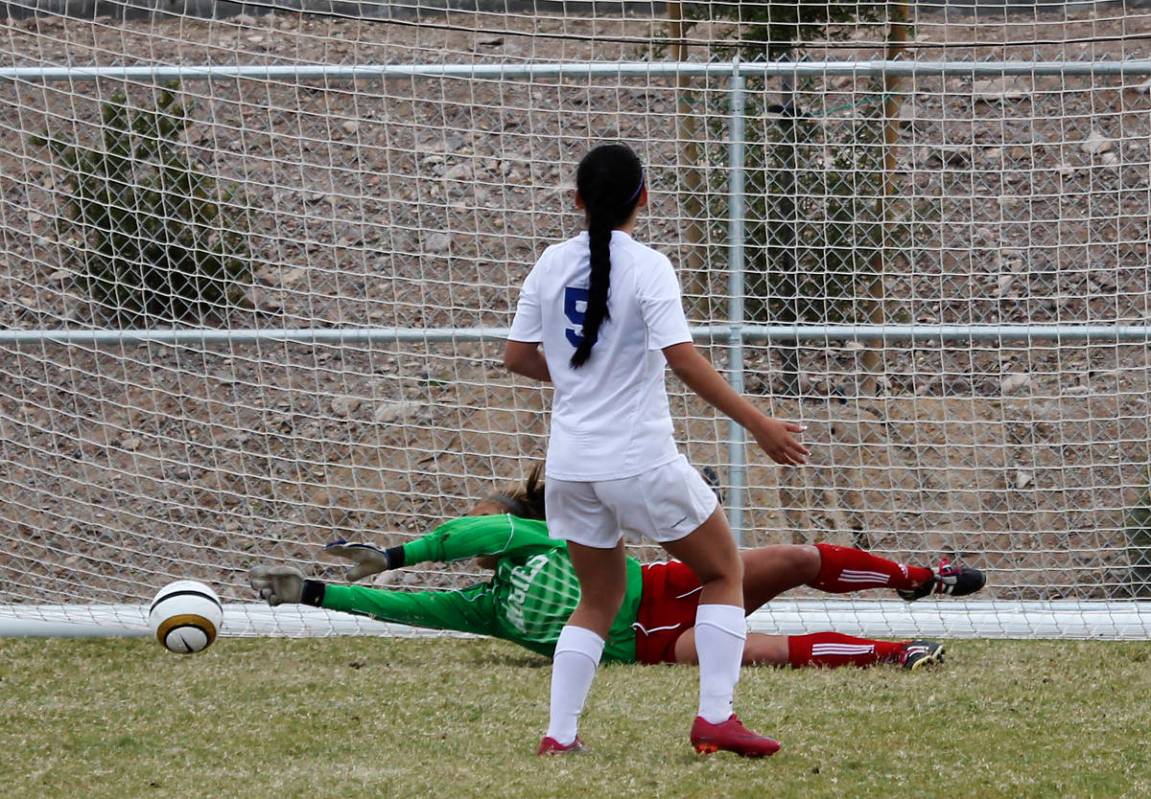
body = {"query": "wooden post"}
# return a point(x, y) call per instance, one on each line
point(897, 36)
point(695, 285)
point(872, 361)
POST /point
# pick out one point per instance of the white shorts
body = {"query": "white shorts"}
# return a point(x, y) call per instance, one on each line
point(664, 504)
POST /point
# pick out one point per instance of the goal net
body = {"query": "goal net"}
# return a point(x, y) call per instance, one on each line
point(257, 268)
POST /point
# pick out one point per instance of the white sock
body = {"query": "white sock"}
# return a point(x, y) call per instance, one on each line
point(720, 632)
point(577, 655)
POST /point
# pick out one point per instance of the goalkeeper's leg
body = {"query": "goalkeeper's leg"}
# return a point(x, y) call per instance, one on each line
point(826, 650)
point(769, 571)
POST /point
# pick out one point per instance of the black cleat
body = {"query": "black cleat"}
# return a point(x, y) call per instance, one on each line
point(949, 578)
point(919, 654)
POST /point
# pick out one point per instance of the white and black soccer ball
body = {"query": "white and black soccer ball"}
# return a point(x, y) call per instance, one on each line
point(186, 616)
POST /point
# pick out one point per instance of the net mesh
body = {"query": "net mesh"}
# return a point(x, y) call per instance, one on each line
point(287, 201)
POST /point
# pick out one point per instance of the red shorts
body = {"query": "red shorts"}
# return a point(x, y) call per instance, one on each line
point(666, 608)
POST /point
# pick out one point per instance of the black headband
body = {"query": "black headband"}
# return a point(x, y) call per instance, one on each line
point(638, 189)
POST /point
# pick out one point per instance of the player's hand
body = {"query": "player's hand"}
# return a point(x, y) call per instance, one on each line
point(277, 585)
point(368, 559)
point(777, 439)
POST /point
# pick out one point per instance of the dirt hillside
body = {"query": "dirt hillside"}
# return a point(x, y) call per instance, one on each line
point(418, 202)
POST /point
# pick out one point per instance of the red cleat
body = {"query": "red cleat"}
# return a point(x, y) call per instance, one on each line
point(550, 746)
point(730, 736)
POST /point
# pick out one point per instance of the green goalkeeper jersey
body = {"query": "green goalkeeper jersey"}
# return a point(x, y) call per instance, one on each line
point(528, 601)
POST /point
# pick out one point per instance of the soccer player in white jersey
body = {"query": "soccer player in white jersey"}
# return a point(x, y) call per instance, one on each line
point(599, 316)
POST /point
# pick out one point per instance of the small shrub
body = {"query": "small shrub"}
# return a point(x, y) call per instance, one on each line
point(815, 224)
point(771, 30)
point(1138, 531)
point(158, 241)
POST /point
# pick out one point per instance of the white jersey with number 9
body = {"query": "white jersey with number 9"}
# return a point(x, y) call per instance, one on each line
point(610, 417)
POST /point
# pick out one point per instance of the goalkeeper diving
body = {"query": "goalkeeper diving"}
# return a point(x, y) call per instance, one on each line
point(534, 590)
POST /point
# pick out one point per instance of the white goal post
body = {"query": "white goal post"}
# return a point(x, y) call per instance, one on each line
point(932, 251)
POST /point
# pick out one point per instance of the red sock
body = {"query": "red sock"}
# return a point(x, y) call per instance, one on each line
point(843, 569)
point(834, 649)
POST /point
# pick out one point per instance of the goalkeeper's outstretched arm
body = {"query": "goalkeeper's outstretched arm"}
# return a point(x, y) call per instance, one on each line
point(492, 536)
point(468, 611)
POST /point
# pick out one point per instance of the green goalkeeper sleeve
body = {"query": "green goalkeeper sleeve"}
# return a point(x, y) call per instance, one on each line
point(467, 611)
point(475, 536)
point(527, 601)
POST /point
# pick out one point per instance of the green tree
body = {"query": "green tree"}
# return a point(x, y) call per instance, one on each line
point(815, 221)
point(813, 215)
point(772, 30)
point(159, 240)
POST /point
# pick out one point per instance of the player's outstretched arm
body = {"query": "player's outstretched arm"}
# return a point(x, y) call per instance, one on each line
point(469, 610)
point(456, 539)
point(477, 536)
point(774, 436)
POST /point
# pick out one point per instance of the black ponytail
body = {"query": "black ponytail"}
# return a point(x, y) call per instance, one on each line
point(609, 181)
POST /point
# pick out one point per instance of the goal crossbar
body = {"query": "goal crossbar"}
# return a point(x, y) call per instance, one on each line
point(786, 69)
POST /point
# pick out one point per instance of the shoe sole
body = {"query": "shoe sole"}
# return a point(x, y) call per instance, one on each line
point(711, 749)
point(934, 659)
point(911, 595)
point(578, 749)
point(974, 589)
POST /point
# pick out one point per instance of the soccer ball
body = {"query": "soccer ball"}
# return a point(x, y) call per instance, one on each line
point(185, 616)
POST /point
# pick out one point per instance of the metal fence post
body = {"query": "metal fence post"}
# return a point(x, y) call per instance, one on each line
point(736, 448)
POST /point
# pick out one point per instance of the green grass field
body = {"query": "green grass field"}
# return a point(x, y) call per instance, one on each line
point(461, 718)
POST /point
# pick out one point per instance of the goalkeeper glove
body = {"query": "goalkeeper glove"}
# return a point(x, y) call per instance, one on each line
point(277, 585)
point(368, 559)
